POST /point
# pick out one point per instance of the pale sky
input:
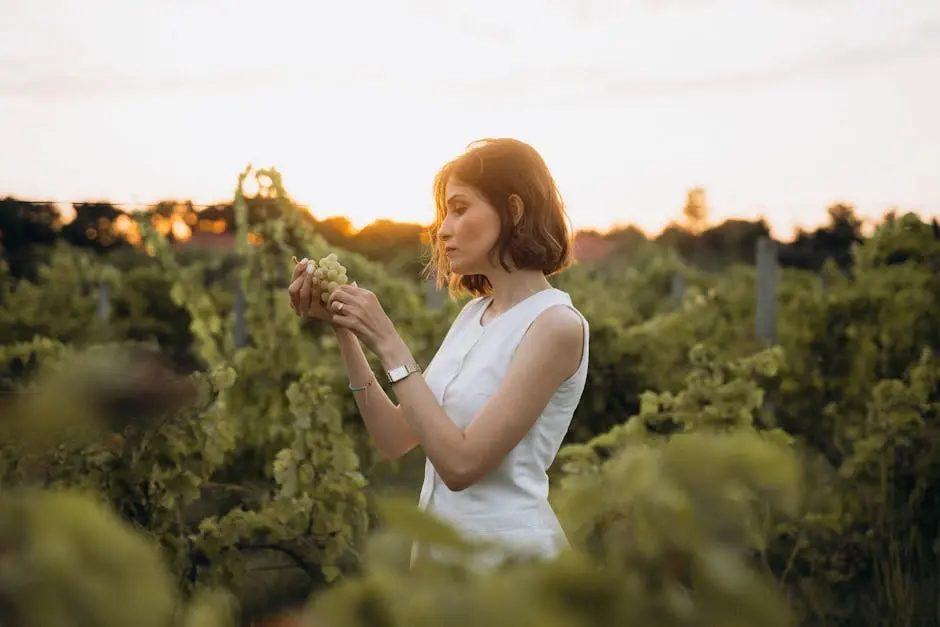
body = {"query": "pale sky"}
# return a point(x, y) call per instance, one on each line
point(777, 107)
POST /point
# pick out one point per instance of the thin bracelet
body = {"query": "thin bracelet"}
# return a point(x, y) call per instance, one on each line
point(363, 386)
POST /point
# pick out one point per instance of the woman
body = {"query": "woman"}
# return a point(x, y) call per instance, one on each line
point(494, 404)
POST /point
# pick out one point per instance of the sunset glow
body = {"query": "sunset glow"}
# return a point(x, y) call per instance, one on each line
point(777, 108)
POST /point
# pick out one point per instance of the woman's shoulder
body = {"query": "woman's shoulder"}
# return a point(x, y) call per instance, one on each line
point(556, 297)
point(560, 314)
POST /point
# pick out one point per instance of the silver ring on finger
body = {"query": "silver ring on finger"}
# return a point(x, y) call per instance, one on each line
point(339, 307)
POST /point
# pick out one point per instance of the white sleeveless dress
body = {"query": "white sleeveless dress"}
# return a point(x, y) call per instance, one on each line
point(510, 504)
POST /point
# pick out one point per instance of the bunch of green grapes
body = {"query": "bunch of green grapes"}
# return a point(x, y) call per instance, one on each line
point(327, 275)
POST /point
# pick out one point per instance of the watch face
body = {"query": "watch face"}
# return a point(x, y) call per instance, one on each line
point(400, 372)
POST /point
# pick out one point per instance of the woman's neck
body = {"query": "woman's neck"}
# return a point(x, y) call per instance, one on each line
point(511, 288)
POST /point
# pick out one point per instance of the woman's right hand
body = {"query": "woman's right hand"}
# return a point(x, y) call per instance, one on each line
point(304, 299)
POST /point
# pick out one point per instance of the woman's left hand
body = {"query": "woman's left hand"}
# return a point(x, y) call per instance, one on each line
point(360, 311)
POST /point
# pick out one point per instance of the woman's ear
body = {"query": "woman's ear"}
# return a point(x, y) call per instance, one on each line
point(516, 207)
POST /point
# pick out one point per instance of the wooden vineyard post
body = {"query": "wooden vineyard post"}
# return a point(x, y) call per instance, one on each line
point(766, 308)
point(767, 271)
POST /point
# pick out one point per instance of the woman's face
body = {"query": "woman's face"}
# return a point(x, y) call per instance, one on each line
point(469, 231)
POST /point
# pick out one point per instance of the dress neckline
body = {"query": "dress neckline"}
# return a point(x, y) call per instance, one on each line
point(487, 301)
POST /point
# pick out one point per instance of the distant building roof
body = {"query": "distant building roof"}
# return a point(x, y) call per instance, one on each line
point(591, 246)
point(200, 239)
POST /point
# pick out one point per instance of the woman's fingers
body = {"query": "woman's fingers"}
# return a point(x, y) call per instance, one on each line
point(306, 288)
point(344, 294)
point(315, 307)
point(342, 308)
point(296, 283)
point(316, 303)
point(298, 270)
point(346, 322)
point(294, 291)
point(336, 297)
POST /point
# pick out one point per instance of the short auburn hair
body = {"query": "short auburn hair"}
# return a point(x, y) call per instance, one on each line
point(498, 169)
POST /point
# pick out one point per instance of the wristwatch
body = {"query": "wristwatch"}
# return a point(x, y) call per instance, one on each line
point(401, 371)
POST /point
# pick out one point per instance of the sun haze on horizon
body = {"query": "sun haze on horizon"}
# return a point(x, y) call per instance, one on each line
point(778, 108)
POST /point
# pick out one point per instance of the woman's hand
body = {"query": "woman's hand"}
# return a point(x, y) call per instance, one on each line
point(304, 299)
point(359, 311)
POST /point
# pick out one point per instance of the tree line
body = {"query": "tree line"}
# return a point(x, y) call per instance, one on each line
point(27, 227)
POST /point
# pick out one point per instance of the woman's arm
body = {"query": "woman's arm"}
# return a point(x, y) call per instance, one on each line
point(384, 420)
point(548, 354)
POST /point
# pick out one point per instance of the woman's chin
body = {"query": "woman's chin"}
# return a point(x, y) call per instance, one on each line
point(466, 267)
point(464, 270)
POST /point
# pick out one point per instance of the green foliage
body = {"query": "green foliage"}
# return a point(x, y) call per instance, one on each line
point(68, 561)
point(63, 302)
point(640, 336)
point(899, 240)
point(675, 519)
point(857, 392)
point(708, 479)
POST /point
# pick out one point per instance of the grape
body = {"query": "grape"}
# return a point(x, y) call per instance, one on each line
point(327, 274)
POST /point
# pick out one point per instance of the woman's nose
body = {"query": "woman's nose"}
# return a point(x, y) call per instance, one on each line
point(445, 231)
